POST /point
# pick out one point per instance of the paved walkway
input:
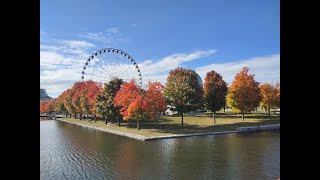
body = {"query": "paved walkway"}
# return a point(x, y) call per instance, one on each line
point(145, 138)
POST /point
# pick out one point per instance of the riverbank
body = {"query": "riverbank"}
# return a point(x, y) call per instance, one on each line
point(167, 127)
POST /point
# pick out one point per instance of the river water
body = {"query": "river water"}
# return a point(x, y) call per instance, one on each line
point(69, 151)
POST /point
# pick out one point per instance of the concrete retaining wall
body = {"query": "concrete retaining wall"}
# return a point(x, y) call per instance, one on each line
point(258, 128)
point(144, 138)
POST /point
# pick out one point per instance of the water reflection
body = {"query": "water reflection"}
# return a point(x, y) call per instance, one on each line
point(69, 151)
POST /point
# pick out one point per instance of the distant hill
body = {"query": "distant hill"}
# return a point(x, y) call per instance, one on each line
point(43, 95)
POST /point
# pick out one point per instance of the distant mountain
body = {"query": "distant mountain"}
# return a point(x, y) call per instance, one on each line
point(43, 95)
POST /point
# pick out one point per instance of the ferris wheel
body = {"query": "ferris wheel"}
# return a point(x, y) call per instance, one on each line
point(107, 64)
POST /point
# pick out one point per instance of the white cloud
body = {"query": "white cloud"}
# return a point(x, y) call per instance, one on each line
point(61, 63)
point(110, 35)
point(158, 71)
point(112, 30)
point(78, 44)
point(266, 69)
point(99, 36)
point(171, 62)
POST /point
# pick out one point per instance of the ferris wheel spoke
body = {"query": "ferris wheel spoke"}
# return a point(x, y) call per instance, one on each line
point(126, 70)
point(96, 75)
point(102, 67)
point(99, 71)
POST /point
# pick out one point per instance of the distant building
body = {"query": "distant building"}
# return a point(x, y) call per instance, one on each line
point(199, 80)
point(43, 95)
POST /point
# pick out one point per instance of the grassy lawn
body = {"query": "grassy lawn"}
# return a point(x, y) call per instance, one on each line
point(200, 123)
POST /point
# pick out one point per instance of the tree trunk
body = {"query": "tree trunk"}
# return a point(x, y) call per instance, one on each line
point(138, 124)
point(70, 115)
point(119, 122)
point(105, 120)
point(224, 109)
point(214, 116)
point(242, 115)
point(80, 117)
point(181, 119)
point(75, 116)
point(95, 118)
point(269, 113)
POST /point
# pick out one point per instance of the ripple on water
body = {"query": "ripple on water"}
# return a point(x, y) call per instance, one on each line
point(72, 152)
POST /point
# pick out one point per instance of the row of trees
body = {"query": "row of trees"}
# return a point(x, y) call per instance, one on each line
point(47, 106)
point(183, 93)
point(117, 100)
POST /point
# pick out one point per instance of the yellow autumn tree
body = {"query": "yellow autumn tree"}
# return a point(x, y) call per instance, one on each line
point(244, 93)
point(270, 96)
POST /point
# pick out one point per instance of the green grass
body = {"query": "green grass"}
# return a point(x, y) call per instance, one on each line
point(169, 125)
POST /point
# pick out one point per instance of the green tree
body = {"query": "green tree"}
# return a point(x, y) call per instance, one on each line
point(104, 105)
point(244, 93)
point(183, 91)
point(214, 93)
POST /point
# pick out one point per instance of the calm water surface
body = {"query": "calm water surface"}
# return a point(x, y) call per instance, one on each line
point(69, 151)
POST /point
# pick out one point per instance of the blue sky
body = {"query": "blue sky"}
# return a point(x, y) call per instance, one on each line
point(161, 35)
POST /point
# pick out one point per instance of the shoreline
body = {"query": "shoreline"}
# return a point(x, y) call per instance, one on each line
point(146, 138)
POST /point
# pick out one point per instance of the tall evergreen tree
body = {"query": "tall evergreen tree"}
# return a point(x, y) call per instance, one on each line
point(104, 105)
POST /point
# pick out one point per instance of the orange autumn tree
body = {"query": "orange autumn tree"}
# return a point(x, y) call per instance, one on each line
point(50, 105)
point(78, 88)
point(137, 104)
point(59, 105)
point(47, 106)
point(43, 106)
point(93, 89)
point(88, 94)
point(270, 96)
point(244, 93)
point(67, 101)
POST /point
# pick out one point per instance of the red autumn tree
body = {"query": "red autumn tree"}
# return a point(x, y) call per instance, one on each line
point(137, 104)
point(155, 101)
point(215, 91)
point(137, 110)
point(244, 93)
point(125, 96)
